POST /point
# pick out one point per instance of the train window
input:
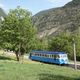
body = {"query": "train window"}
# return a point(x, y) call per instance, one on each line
point(48, 56)
point(39, 54)
point(36, 54)
point(57, 56)
point(63, 56)
point(42, 55)
point(52, 56)
point(45, 55)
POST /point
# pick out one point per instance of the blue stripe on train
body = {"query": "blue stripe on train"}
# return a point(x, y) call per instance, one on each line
point(50, 60)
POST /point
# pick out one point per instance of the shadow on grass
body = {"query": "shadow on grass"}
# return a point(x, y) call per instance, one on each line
point(5, 58)
point(55, 77)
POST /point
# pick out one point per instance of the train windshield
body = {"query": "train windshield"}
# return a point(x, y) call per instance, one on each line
point(63, 56)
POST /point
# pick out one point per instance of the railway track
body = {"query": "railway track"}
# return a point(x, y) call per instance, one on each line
point(73, 66)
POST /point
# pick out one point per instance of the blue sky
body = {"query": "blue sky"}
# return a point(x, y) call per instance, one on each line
point(32, 5)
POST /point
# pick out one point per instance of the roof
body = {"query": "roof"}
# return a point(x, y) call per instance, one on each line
point(48, 52)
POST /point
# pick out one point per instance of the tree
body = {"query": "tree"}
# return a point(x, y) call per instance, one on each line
point(62, 43)
point(17, 32)
point(41, 44)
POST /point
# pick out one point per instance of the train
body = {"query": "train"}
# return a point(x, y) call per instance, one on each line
point(49, 57)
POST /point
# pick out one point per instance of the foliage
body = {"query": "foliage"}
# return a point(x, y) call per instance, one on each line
point(41, 44)
point(64, 42)
point(17, 32)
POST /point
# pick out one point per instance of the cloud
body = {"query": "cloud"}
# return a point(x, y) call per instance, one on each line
point(1, 5)
point(53, 1)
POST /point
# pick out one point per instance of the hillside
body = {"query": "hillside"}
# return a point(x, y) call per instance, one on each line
point(56, 20)
point(2, 13)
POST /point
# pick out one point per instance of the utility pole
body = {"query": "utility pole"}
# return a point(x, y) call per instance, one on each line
point(74, 50)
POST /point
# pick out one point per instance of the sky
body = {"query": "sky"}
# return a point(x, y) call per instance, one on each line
point(32, 5)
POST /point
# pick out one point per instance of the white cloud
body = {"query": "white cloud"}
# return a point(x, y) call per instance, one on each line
point(1, 5)
point(53, 1)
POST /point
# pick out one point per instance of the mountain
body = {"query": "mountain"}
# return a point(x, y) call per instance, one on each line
point(54, 21)
point(2, 13)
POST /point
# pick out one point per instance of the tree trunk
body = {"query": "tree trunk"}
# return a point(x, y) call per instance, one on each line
point(17, 56)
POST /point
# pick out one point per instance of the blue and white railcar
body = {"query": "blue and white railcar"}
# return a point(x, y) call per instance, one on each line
point(49, 57)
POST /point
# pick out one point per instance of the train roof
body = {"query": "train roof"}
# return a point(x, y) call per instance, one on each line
point(48, 52)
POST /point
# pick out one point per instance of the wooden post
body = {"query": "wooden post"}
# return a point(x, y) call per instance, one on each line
point(74, 47)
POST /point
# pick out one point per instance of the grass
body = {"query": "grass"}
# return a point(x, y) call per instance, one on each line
point(12, 70)
point(31, 70)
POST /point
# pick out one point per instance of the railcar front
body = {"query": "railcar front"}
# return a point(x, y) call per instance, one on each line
point(63, 59)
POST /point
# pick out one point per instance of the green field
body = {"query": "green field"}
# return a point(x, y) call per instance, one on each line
point(12, 70)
